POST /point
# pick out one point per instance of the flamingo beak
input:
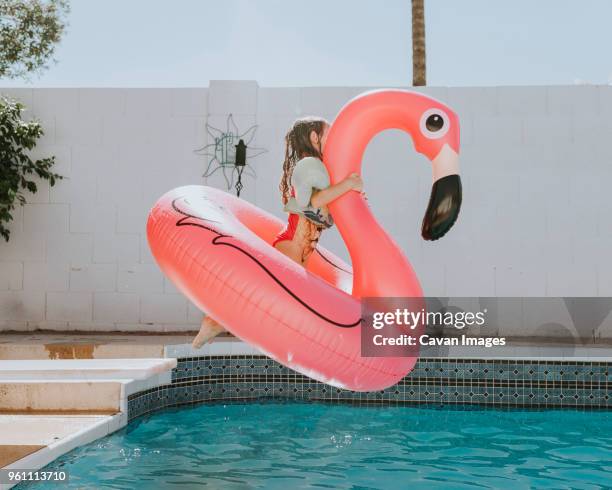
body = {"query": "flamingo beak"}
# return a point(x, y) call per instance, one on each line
point(445, 199)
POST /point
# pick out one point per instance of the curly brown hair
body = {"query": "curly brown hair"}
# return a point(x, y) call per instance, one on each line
point(298, 146)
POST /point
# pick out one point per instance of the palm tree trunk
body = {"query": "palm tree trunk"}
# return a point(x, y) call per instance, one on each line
point(418, 43)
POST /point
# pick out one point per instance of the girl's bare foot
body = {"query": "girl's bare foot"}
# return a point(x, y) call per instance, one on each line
point(208, 331)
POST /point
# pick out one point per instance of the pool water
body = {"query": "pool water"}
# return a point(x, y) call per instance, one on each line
point(297, 445)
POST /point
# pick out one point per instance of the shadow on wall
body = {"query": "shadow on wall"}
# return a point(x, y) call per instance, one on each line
point(574, 321)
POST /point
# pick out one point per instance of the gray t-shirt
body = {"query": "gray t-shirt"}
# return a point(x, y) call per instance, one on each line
point(309, 174)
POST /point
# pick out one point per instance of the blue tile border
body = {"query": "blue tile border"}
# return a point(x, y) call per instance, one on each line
point(491, 383)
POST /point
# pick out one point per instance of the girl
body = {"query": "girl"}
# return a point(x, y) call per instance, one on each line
point(305, 193)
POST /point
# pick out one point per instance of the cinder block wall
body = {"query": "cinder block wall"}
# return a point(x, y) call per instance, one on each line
point(536, 167)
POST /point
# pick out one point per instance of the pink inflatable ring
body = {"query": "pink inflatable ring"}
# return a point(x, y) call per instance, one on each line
point(216, 250)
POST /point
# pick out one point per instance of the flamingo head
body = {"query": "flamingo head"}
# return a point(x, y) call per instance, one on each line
point(434, 129)
point(436, 136)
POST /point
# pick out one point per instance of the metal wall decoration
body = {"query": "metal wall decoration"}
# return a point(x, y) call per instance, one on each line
point(230, 152)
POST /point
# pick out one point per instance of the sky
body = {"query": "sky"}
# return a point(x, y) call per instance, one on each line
point(186, 43)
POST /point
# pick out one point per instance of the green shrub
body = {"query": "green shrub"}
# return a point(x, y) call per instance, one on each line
point(17, 139)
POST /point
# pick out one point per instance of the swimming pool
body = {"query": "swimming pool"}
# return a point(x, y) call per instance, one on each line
point(300, 445)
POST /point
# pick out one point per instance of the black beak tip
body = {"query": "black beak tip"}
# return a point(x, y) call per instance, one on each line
point(443, 208)
point(431, 234)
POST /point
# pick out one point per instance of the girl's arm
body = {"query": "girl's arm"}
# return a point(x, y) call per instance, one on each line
point(324, 197)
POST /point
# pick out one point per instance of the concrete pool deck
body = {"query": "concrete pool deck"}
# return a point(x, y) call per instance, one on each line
point(70, 345)
point(86, 346)
point(63, 346)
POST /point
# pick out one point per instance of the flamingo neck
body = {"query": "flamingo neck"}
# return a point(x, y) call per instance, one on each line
point(380, 269)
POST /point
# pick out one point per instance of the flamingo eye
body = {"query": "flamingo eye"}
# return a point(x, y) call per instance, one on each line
point(434, 123)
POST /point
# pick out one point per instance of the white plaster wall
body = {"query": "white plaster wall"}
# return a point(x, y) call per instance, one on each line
point(536, 167)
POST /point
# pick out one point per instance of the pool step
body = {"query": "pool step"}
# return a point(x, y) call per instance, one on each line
point(84, 369)
point(60, 397)
point(49, 407)
point(90, 385)
point(30, 442)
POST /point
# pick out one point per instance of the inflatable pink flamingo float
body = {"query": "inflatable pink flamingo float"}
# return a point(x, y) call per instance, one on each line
point(216, 249)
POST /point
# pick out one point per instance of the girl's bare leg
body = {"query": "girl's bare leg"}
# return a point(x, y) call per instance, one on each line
point(290, 249)
point(208, 331)
point(299, 252)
